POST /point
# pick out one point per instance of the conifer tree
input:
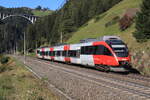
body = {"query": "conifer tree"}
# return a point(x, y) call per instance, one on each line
point(142, 32)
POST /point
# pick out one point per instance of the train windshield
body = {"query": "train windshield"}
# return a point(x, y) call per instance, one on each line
point(120, 50)
point(118, 47)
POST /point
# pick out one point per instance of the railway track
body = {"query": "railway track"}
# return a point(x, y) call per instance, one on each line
point(139, 77)
point(108, 80)
point(132, 78)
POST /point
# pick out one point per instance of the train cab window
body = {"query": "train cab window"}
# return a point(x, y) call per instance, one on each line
point(107, 52)
point(121, 52)
point(99, 50)
point(102, 50)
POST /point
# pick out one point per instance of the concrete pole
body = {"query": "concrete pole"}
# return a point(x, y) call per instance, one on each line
point(24, 48)
point(61, 37)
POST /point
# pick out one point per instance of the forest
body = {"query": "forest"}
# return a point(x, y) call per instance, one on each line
point(49, 29)
point(11, 29)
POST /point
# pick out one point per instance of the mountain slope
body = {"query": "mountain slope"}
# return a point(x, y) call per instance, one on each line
point(41, 13)
point(96, 28)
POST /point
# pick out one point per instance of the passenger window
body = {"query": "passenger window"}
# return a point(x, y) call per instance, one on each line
point(46, 53)
point(82, 50)
point(49, 53)
point(88, 50)
point(64, 53)
point(53, 53)
point(72, 53)
point(58, 53)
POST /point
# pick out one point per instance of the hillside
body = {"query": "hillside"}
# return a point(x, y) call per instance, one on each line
point(96, 28)
point(41, 12)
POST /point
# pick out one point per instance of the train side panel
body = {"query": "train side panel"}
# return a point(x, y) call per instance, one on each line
point(75, 59)
point(66, 57)
point(107, 57)
point(85, 58)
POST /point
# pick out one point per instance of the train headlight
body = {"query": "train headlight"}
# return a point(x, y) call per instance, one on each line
point(123, 62)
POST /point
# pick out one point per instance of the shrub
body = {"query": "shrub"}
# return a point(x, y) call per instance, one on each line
point(142, 33)
point(3, 68)
point(97, 18)
point(4, 60)
point(113, 21)
point(125, 22)
point(2, 97)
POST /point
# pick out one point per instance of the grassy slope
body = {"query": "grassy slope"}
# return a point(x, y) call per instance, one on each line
point(96, 29)
point(41, 13)
point(92, 29)
point(17, 83)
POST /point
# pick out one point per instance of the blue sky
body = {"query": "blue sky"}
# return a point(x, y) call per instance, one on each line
point(52, 4)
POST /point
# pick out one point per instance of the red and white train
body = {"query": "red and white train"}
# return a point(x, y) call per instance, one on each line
point(109, 53)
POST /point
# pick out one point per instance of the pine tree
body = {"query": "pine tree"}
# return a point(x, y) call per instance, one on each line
point(142, 32)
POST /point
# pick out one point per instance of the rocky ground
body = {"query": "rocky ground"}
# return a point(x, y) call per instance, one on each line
point(75, 86)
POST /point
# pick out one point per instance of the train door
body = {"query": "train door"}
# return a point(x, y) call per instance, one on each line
point(87, 55)
point(43, 53)
point(74, 54)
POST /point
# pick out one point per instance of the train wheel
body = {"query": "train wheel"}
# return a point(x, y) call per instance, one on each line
point(103, 68)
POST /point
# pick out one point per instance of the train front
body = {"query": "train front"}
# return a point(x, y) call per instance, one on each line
point(121, 54)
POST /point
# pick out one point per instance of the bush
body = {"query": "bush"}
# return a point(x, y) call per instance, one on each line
point(113, 21)
point(97, 18)
point(4, 60)
point(142, 33)
point(2, 97)
point(125, 22)
point(3, 68)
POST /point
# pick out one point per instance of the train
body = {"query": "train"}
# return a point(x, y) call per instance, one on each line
point(108, 53)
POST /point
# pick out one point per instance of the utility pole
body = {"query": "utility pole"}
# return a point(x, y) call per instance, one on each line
point(24, 48)
point(61, 37)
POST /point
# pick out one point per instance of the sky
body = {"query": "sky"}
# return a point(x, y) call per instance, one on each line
point(51, 4)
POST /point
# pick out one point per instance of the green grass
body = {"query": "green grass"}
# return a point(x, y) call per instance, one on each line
point(32, 54)
point(41, 13)
point(20, 84)
point(97, 29)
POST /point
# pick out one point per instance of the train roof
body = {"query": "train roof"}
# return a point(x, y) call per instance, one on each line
point(107, 39)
